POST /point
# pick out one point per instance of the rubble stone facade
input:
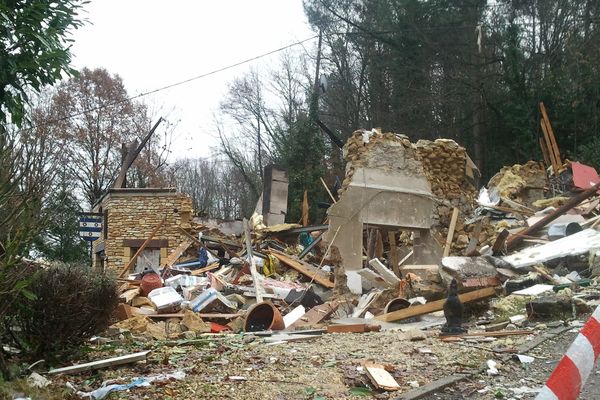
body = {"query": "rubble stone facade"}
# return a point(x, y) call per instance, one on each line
point(130, 216)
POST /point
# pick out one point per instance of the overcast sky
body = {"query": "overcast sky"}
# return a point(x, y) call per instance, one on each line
point(154, 43)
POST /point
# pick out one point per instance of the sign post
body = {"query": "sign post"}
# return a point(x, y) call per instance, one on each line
point(90, 229)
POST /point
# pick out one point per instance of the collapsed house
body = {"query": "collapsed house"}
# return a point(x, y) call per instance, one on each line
point(408, 219)
point(408, 223)
point(129, 217)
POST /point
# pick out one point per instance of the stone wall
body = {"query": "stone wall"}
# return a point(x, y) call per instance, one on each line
point(134, 214)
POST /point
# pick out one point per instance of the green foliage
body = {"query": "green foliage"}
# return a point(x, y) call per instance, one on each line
point(421, 68)
point(34, 49)
point(589, 153)
point(69, 304)
point(303, 156)
point(60, 240)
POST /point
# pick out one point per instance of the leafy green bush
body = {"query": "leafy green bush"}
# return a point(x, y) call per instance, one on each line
point(70, 305)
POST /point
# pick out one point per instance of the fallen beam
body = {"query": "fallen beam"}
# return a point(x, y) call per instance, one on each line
point(109, 362)
point(518, 238)
point(437, 305)
point(486, 334)
point(308, 270)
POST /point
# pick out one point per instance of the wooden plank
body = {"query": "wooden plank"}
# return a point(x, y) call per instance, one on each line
point(432, 387)
point(406, 257)
point(378, 245)
point(499, 242)
point(316, 315)
point(545, 275)
point(110, 362)
point(308, 270)
point(129, 295)
point(547, 161)
point(384, 272)
point(451, 232)
point(393, 253)
point(437, 305)
point(487, 334)
point(328, 191)
point(549, 146)
point(555, 148)
point(131, 262)
point(353, 328)
point(201, 315)
point(253, 272)
point(175, 254)
point(200, 271)
point(380, 377)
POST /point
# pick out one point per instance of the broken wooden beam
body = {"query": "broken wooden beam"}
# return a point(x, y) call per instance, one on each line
point(575, 200)
point(353, 328)
point(437, 305)
point(175, 254)
point(308, 270)
point(487, 334)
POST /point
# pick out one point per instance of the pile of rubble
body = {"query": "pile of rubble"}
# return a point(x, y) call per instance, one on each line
point(539, 257)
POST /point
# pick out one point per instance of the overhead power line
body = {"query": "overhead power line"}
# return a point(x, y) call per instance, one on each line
point(160, 89)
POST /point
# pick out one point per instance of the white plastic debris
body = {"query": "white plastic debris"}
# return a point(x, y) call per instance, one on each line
point(488, 198)
point(492, 370)
point(525, 359)
point(413, 384)
point(366, 135)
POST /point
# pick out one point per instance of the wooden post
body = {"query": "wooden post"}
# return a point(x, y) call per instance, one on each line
point(142, 247)
point(393, 253)
point(451, 232)
point(253, 271)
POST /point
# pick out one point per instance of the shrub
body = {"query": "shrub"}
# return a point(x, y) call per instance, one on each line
point(71, 304)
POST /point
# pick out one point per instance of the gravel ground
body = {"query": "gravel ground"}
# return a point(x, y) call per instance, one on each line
point(327, 367)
